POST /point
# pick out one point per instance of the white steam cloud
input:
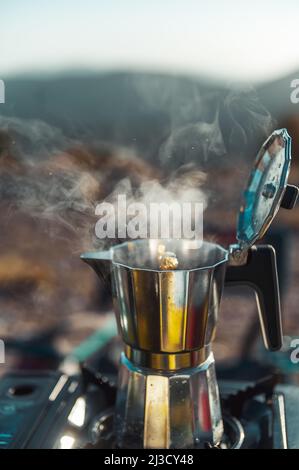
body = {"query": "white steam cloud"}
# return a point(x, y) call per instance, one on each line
point(51, 176)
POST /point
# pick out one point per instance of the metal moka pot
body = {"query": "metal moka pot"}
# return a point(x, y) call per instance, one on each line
point(166, 318)
point(168, 394)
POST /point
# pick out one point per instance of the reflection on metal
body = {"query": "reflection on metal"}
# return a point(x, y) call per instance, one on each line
point(265, 188)
point(235, 430)
point(169, 410)
point(130, 405)
point(172, 308)
point(279, 422)
point(170, 361)
point(58, 387)
point(78, 412)
point(156, 415)
point(67, 442)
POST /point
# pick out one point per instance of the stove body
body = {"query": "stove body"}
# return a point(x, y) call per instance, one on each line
point(259, 414)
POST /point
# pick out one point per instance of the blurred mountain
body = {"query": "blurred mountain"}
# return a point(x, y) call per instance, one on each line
point(118, 107)
point(134, 109)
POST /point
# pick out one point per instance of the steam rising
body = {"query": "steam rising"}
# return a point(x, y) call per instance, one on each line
point(183, 186)
point(206, 124)
point(33, 178)
point(58, 179)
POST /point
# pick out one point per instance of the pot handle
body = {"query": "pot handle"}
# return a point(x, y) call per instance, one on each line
point(260, 273)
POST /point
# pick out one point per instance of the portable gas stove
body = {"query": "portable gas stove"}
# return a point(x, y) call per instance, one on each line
point(54, 411)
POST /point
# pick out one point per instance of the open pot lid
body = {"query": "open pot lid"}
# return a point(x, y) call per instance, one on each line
point(265, 188)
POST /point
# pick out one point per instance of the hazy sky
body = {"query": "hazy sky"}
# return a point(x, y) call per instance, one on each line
point(222, 38)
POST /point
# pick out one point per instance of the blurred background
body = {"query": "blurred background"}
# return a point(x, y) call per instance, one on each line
point(103, 96)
